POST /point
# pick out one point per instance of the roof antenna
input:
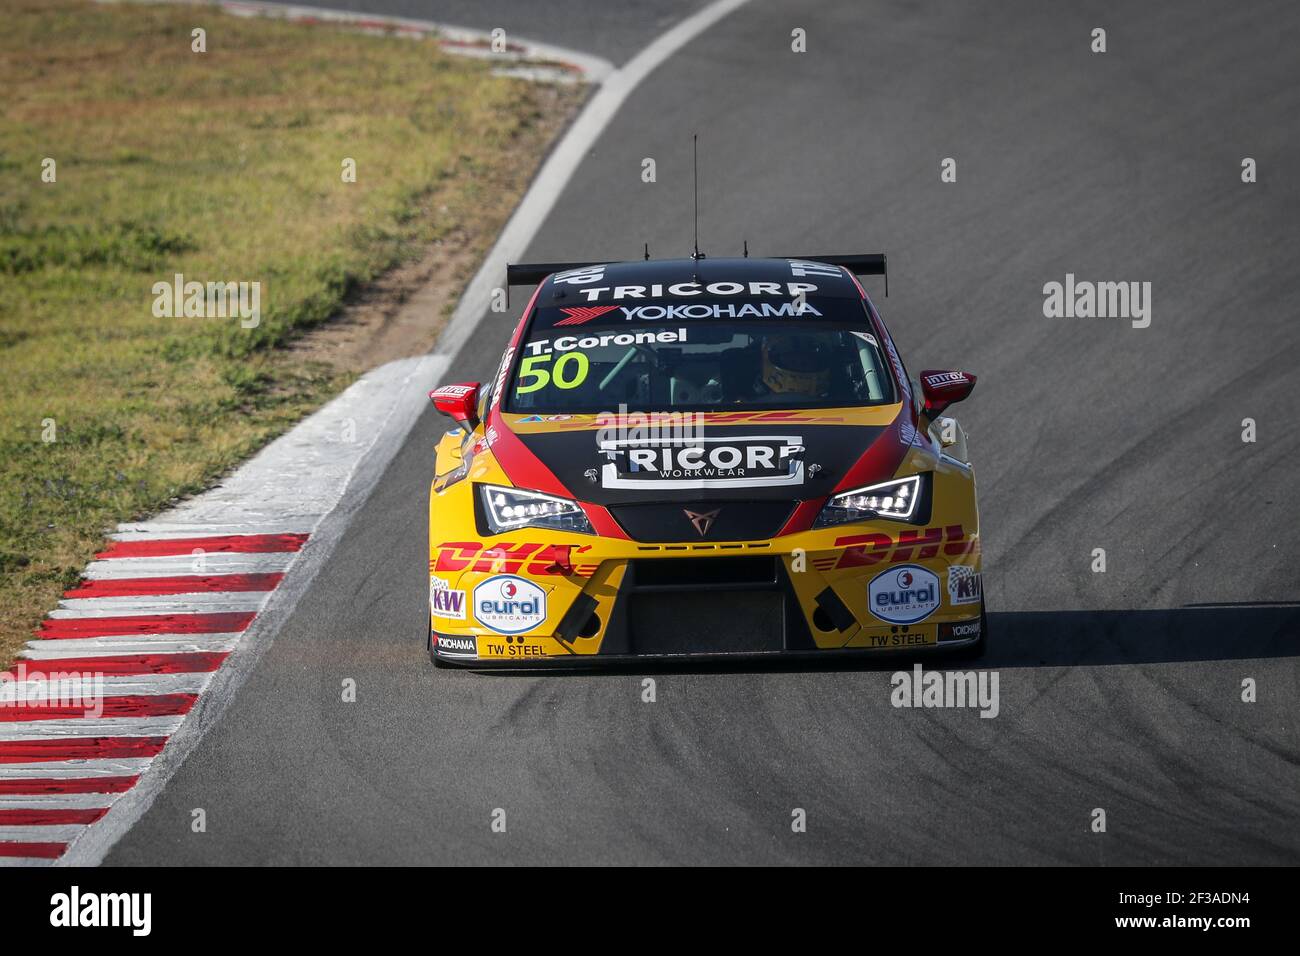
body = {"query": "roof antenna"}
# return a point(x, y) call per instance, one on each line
point(647, 252)
point(746, 248)
point(695, 147)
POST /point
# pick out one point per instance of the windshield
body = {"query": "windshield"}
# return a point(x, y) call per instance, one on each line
point(697, 366)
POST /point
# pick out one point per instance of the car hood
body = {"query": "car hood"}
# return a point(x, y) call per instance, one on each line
point(774, 456)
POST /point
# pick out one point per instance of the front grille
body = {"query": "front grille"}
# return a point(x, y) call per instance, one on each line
point(730, 604)
point(700, 622)
point(684, 574)
point(700, 521)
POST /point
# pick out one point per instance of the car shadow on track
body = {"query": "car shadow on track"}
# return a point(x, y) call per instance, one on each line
point(1041, 639)
point(1193, 633)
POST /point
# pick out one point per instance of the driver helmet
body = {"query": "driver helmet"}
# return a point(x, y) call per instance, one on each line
point(796, 364)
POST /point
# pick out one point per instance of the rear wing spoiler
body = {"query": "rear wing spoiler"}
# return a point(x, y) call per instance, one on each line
point(531, 273)
point(866, 264)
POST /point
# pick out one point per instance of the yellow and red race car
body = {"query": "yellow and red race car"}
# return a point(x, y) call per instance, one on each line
point(702, 457)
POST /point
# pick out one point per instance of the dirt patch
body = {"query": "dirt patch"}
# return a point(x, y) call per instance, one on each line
point(402, 313)
point(399, 315)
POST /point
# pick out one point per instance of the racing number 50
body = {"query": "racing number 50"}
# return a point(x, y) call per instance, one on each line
point(531, 378)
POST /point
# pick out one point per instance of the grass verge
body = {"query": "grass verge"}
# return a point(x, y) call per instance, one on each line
point(224, 165)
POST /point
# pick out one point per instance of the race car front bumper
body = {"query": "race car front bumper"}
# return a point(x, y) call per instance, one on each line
point(514, 604)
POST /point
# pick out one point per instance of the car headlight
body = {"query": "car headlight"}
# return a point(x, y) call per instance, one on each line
point(890, 499)
point(507, 509)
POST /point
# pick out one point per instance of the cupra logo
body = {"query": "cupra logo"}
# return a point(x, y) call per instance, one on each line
point(703, 521)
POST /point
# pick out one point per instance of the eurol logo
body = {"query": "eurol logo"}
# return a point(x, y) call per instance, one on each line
point(906, 595)
point(509, 604)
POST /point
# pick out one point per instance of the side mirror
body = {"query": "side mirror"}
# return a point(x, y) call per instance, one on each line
point(943, 388)
point(459, 402)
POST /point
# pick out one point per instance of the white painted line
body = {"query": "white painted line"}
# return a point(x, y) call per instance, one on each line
point(207, 641)
point(62, 833)
point(208, 603)
point(311, 471)
point(87, 727)
point(56, 801)
point(74, 769)
point(303, 473)
point(126, 645)
point(179, 566)
point(79, 688)
point(170, 530)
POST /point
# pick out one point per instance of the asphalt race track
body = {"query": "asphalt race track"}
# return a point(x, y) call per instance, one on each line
point(1119, 690)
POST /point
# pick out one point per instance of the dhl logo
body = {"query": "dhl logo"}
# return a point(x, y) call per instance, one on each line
point(790, 416)
point(858, 550)
point(579, 422)
point(861, 550)
point(507, 558)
